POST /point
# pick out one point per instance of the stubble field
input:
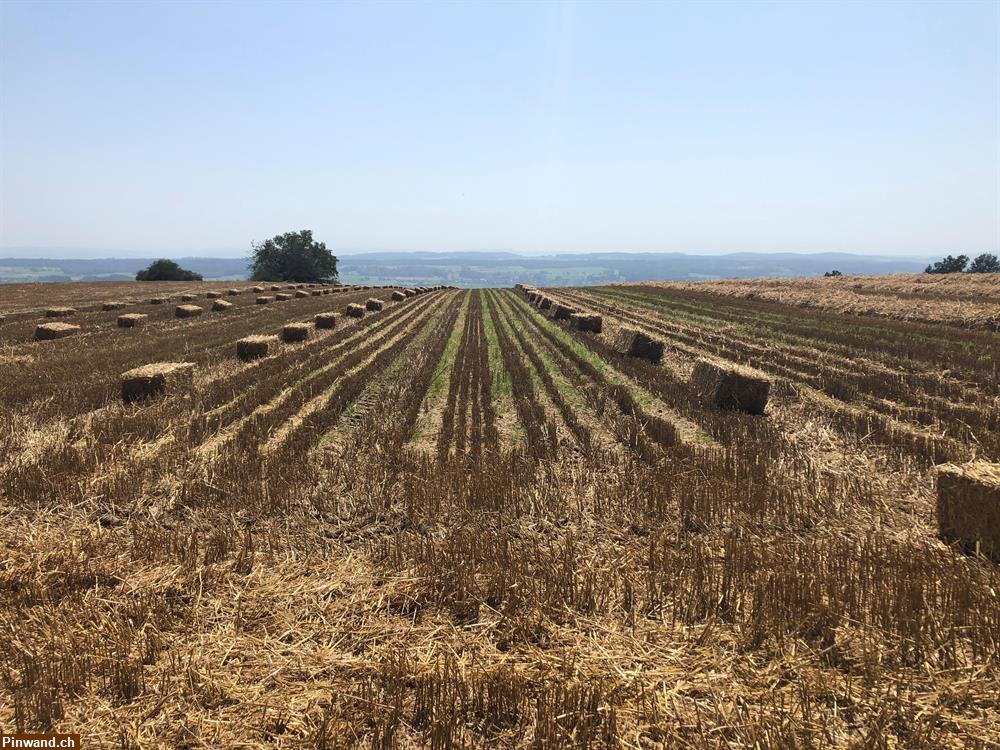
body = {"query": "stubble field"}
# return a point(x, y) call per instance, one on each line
point(463, 521)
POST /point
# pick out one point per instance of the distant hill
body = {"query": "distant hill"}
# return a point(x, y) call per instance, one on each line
point(496, 269)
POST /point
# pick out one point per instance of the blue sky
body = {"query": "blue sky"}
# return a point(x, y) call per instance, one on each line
point(537, 127)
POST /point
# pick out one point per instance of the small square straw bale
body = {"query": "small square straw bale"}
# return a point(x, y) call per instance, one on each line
point(295, 332)
point(188, 311)
point(156, 379)
point(325, 320)
point(50, 331)
point(254, 347)
point(132, 320)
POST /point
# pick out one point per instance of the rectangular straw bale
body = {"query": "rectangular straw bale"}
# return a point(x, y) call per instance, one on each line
point(264, 300)
point(221, 304)
point(155, 379)
point(159, 300)
point(295, 332)
point(275, 287)
point(354, 310)
point(254, 347)
point(50, 331)
point(116, 305)
point(587, 322)
point(132, 320)
point(373, 304)
point(409, 292)
point(60, 312)
point(563, 312)
point(968, 506)
point(544, 303)
point(316, 293)
point(213, 294)
point(325, 320)
point(258, 290)
point(233, 292)
point(301, 294)
point(283, 296)
point(731, 386)
point(639, 344)
point(398, 296)
point(188, 311)
point(188, 297)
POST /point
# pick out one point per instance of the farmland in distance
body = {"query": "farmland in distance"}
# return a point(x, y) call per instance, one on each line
point(468, 519)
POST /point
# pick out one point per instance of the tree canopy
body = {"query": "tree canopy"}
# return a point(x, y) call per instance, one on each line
point(293, 256)
point(949, 264)
point(985, 263)
point(166, 270)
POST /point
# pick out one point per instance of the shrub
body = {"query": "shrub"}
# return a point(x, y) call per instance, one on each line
point(166, 270)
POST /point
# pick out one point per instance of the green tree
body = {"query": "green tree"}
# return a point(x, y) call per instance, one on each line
point(949, 264)
point(293, 256)
point(166, 270)
point(985, 263)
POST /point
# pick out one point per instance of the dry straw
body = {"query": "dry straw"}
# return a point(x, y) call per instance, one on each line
point(373, 304)
point(132, 320)
point(397, 296)
point(295, 332)
point(50, 331)
point(968, 506)
point(639, 344)
point(153, 380)
point(731, 386)
point(587, 322)
point(116, 305)
point(188, 297)
point(213, 294)
point(301, 294)
point(254, 347)
point(188, 311)
point(60, 312)
point(354, 310)
point(563, 312)
point(264, 300)
point(325, 320)
point(283, 296)
point(233, 292)
point(221, 304)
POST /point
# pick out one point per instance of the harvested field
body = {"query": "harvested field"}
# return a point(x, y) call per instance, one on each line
point(958, 299)
point(468, 522)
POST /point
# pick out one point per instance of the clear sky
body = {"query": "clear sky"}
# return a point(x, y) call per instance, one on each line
point(704, 127)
